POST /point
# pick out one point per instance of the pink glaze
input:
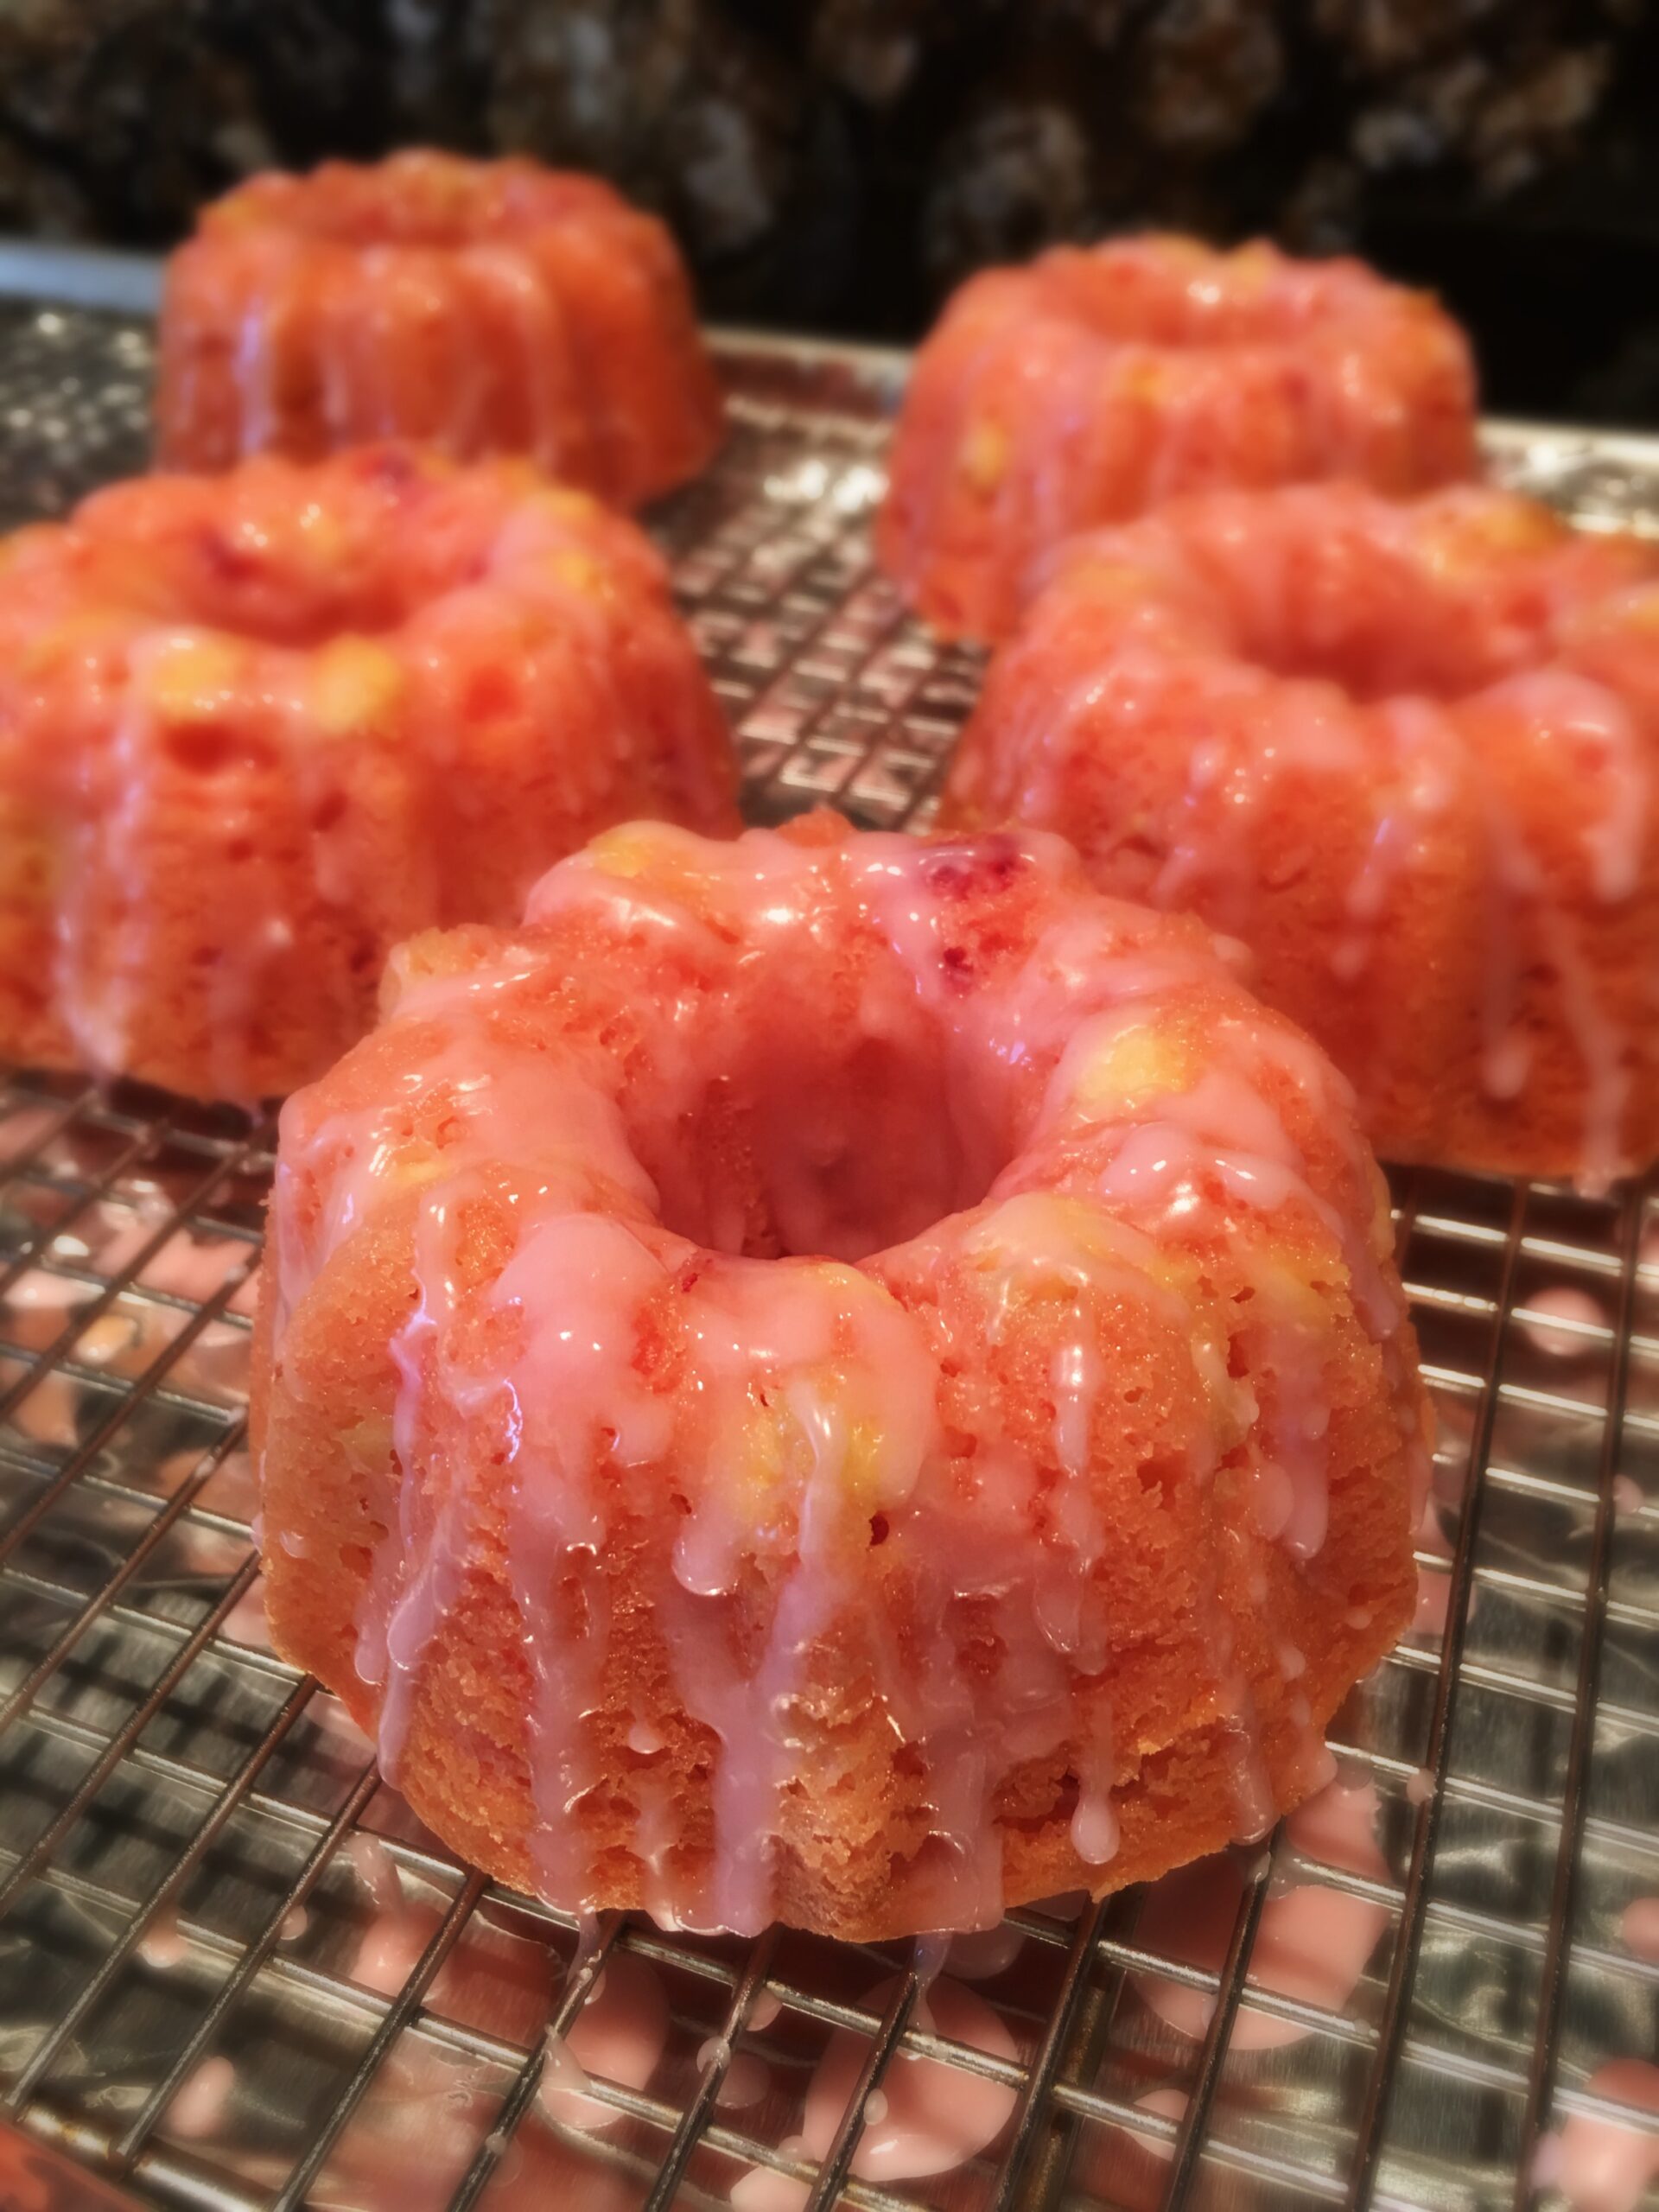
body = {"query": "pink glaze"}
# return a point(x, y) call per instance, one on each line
point(1639, 1929)
point(1220, 626)
point(376, 1869)
point(490, 1979)
point(763, 2189)
point(162, 1943)
point(393, 1947)
point(1164, 2104)
point(983, 1956)
point(934, 2117)
point(926, 2117)
point(746, 2082)
point(412, 2139)
point(245, 1622)
point(812, 1373)
point(746, 2079)
point(47, 1411)
point(617, 2035)
point(1583, 1315)
point(1314, 1941)
point(414, 2135)
point(36, 1292)
point(1091, 385)
point(1603, 2165)
point(1127, 2166)
point(198, 2110)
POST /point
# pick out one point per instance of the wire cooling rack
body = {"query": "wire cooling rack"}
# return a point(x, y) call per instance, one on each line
point(236, 1973)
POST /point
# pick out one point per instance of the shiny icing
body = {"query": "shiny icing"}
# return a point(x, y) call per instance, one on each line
point(1314, 1940)
point(472, 306)
point(292, 678)
point(928, 2117)
point(619, 2034)
point(1107, 1111)
point(1565, 1321)
point(202, 2106)
point(1096, 385)
point(1639, 1929)
point(1602, 2164)
point(1518, 671)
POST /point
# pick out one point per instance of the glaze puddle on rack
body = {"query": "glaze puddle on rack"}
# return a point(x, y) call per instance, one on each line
point(235, 1972)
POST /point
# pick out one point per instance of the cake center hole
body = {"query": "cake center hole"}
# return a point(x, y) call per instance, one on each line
point(1378, 626)
point(285, 569)
point(819, 1144)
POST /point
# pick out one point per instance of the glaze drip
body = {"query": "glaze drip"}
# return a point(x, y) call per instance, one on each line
point(770, 1523)
point(474, 307)
point(1406, 752)
point(256, 729)
point(1096, 385)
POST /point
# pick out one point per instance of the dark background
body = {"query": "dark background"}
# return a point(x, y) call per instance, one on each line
point(837, 164)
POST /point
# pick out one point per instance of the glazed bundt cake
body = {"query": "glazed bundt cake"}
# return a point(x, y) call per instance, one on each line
point(834, 1378)
point(481, 307)
point(1408, 753)
point(1096, 383)
point(255, 729)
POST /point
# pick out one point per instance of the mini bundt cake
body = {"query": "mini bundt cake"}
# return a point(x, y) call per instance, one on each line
point(834, 1378)
point(1406, 751)
point(482, 306)
point(1094, 384)
point(256, 729)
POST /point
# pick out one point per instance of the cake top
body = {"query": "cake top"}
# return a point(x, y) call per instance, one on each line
point(420, 199)
point(302, 590)
point(1165, 291)
point(818, 1045)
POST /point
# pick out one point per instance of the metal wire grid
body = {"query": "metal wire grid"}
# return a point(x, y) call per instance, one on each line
point(196, 1990)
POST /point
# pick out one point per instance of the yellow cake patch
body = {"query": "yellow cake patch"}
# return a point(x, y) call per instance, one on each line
point(1138, 1063)
point(194, 679)
point(984, 457)
point(355, 687)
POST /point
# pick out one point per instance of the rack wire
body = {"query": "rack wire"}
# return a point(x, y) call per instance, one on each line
point(236, 1973)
